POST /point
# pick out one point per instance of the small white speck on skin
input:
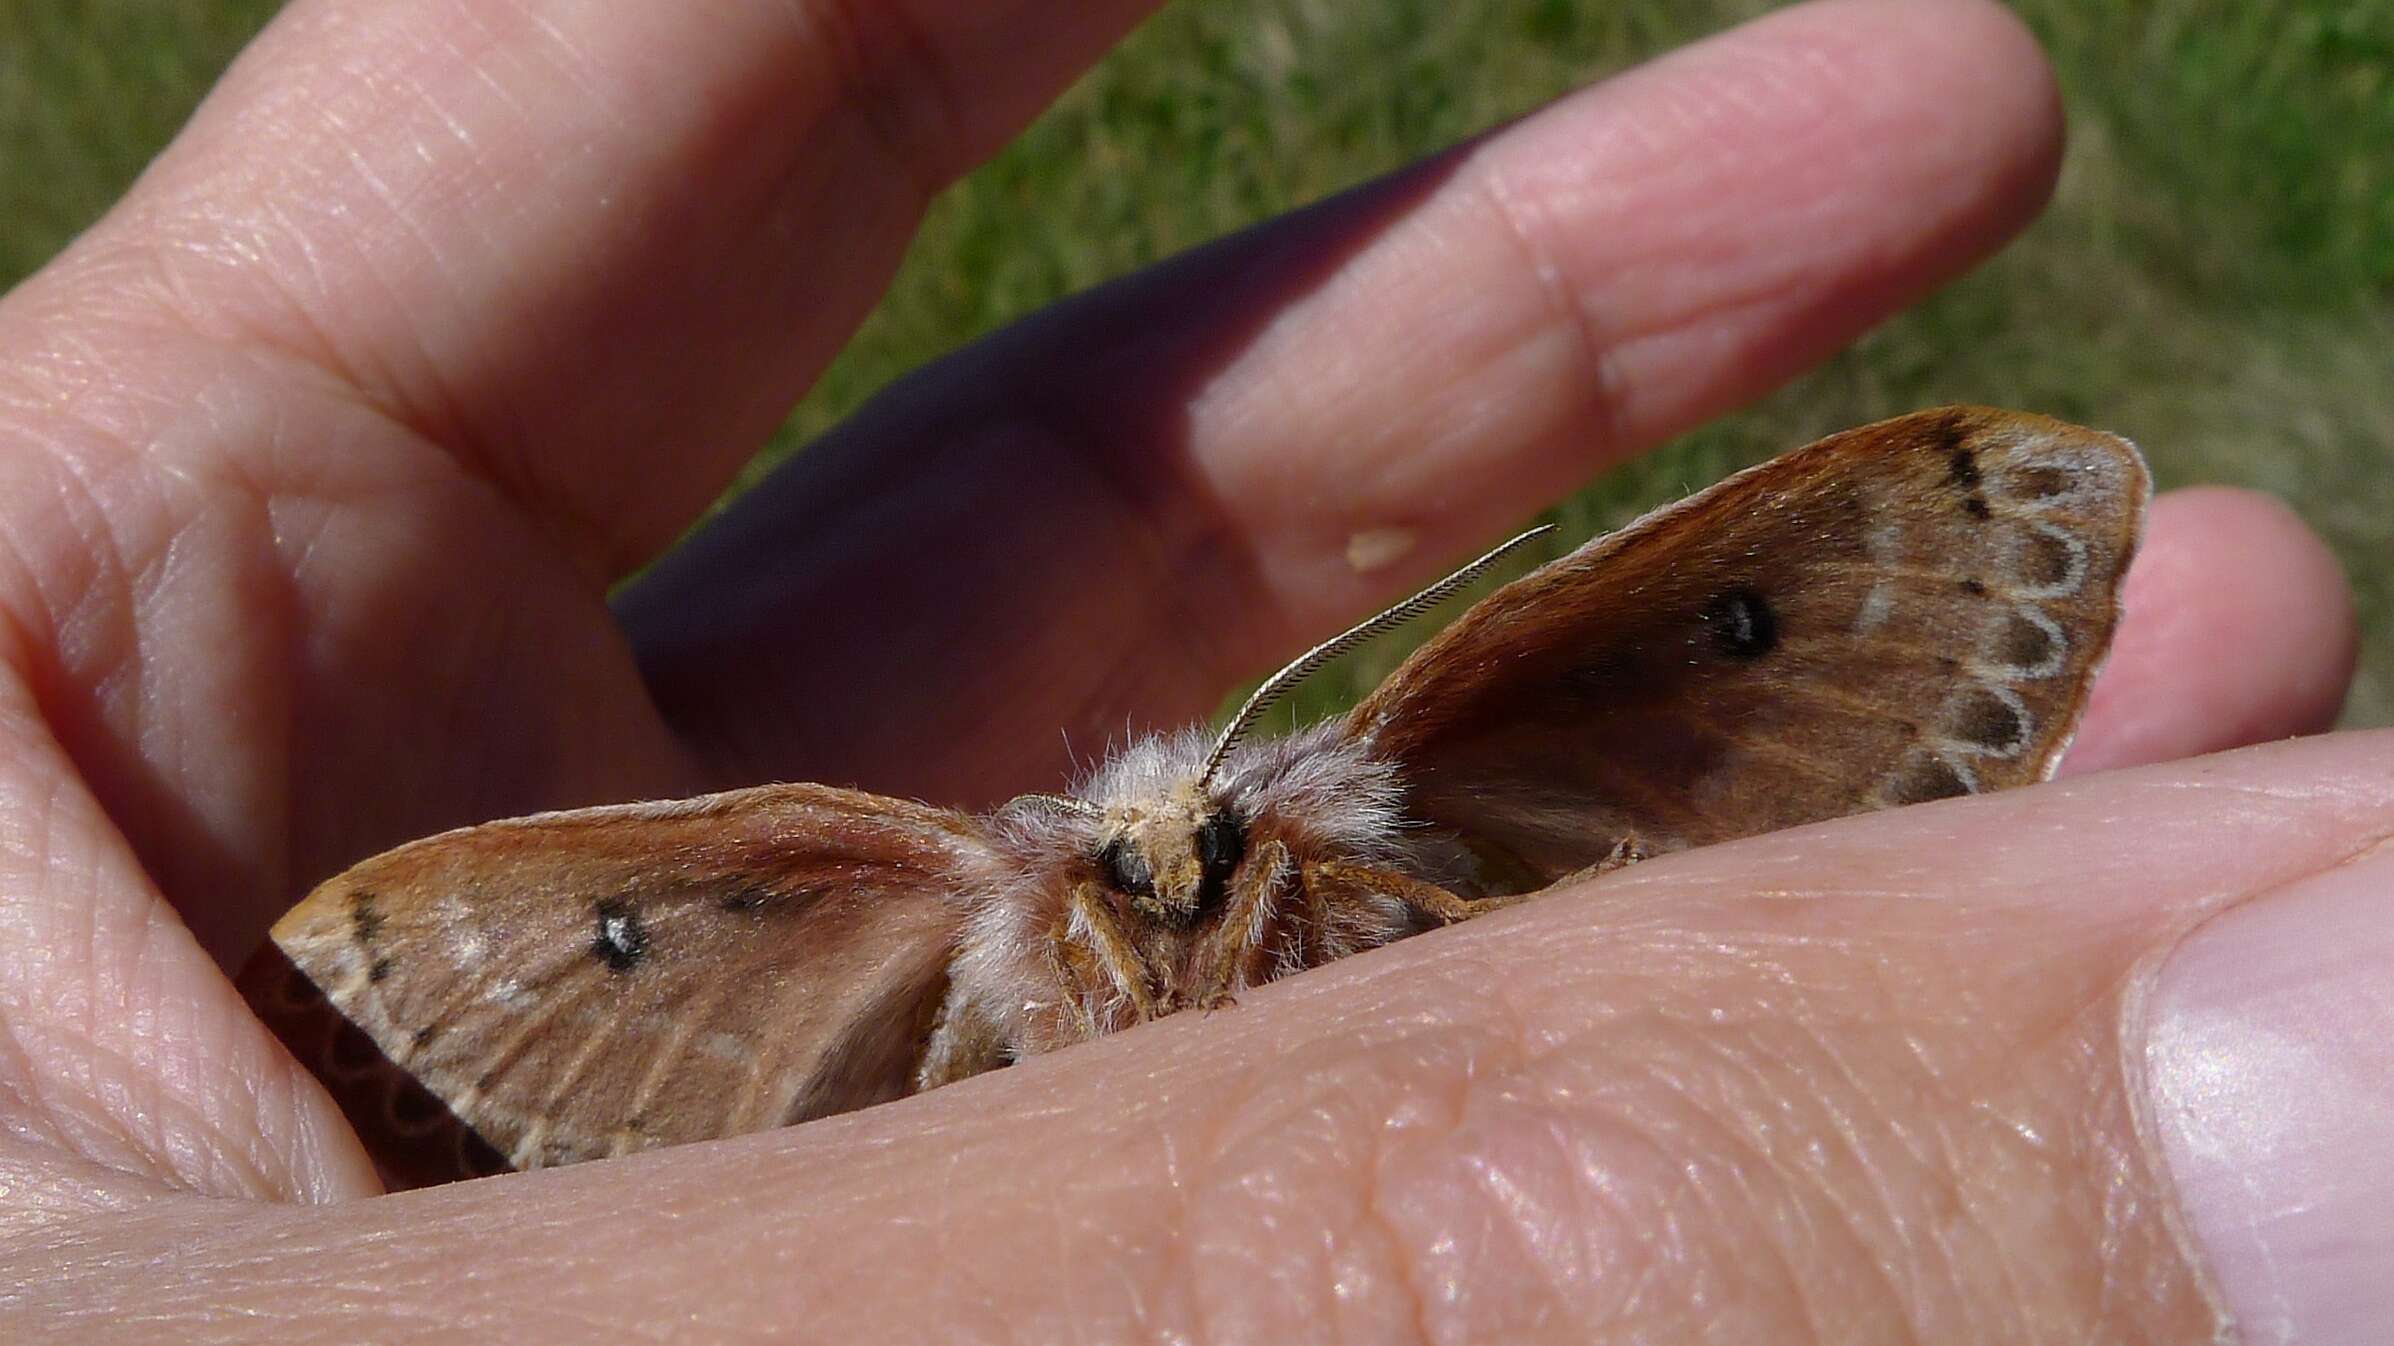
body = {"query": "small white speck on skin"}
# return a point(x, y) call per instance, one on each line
point(1378, 548)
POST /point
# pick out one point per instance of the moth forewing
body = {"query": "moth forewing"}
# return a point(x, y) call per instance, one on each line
point(1903, 612)
point(590, 983)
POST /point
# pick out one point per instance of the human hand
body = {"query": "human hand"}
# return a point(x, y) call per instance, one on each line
point(442, 316)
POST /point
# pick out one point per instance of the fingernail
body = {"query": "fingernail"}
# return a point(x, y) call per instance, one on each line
point(2272, 1069)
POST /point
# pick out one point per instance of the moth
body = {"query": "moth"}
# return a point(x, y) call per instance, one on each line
point(1903, 612)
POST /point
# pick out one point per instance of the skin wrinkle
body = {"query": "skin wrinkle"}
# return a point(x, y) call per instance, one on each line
point(409, 414)
point(889, 74)
point(1191, 1255)
point(2075, 1032)
point(125, 978)
point(1946, 1158)
point(314, 348)
point(445, 433)
point(1496, 1061)
point(1242, 1296)
point(69, 615)
point(1521, 1224)
point(156, 732)
point(1732, 1155)
point(1406, 1275)
point(268, 1074)
point(1841, 1124)
point(24, 1114)
point(1381, 1063)
point(196, 263)
point(1567, 306)
point(1948, 1162)
point(47, 1191)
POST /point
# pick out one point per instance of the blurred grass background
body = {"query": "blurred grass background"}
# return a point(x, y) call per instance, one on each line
point(2215, 278)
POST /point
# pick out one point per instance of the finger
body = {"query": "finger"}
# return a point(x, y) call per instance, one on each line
point(1877, 1073)
point(2239, 628)
point(130, 1069)
point(563, 262)
point(595, 251)
point(1121, 507)
point(2272, 1056)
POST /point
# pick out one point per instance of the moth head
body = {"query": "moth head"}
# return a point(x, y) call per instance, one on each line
point(1170, 859)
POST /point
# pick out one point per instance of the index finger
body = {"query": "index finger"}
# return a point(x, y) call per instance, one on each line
point(1123, 505)
point(593, 251)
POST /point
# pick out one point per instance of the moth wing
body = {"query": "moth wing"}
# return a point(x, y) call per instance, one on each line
point(581, 984)
point(1901, 612)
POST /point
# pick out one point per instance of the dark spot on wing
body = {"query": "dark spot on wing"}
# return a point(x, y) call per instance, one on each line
point(2040, 483)
point(365, 918)
point(1962, 469)
point(1742, 623)
point(1986, 720)
point(1927, 778)
point(1975, 588)
point(1976, 507)
point(380, 971)
point(2046, 561)
point(423, 1037)
point(622, 941)
point(2023, 644)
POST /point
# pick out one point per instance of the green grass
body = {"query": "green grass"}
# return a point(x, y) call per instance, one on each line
point(2216, 277)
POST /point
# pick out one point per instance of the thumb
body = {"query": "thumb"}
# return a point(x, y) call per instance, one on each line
point(2271, 1066)
point(1957, 1073)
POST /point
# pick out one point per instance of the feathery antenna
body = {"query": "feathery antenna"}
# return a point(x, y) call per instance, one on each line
point(1307, 664)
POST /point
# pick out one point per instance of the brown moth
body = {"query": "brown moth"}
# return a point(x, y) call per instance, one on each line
point(1903, 612)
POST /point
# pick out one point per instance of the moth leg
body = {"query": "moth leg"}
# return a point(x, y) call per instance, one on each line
point(1630, 849)
point(1093, 925)
point(964, 1043)
point(1422, 897)
point(1244, 918)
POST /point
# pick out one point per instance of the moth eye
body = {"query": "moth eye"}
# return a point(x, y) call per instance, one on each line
point(1221, 842)
point(1126, 869)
